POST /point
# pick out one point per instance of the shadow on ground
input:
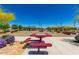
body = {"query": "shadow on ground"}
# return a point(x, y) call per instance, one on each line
point(71, 41)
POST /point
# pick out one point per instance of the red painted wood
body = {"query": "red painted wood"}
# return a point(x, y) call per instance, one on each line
point(41, 44)
point(27, 40)
point(41, 35)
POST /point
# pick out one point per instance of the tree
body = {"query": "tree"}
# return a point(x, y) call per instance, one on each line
point(49, 28)
point(5, 17)
point(76, 16)
point(4, 26)
point(20, 27)
point(14, 26)
point(55, 28)
point(68, 28)
point(1, 26)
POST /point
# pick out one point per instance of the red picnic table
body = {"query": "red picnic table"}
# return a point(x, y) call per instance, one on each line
point(40, 35)
point(40, 44)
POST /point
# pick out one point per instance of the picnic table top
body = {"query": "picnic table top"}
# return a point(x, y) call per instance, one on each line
point(41, 35)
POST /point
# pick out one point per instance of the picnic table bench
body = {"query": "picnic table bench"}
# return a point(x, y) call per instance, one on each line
point(40, 45)
point(37, 43)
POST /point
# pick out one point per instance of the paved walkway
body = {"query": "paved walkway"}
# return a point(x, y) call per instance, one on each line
point(61, 46)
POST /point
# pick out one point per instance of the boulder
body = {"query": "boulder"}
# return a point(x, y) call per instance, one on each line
point(9, 39)
point(2, 43)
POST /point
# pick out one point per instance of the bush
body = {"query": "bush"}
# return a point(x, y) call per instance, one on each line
point(13, 31)
point(52, 31)
point(68, 33)
point(1, 31)
point(58, 31)
point(16, 30)
point(6, 30)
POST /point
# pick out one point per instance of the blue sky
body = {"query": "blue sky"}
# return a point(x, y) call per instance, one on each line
point(45, 14)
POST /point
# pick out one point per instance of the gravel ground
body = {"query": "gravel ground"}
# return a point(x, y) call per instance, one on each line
point(15, 49)
point(60, 46)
